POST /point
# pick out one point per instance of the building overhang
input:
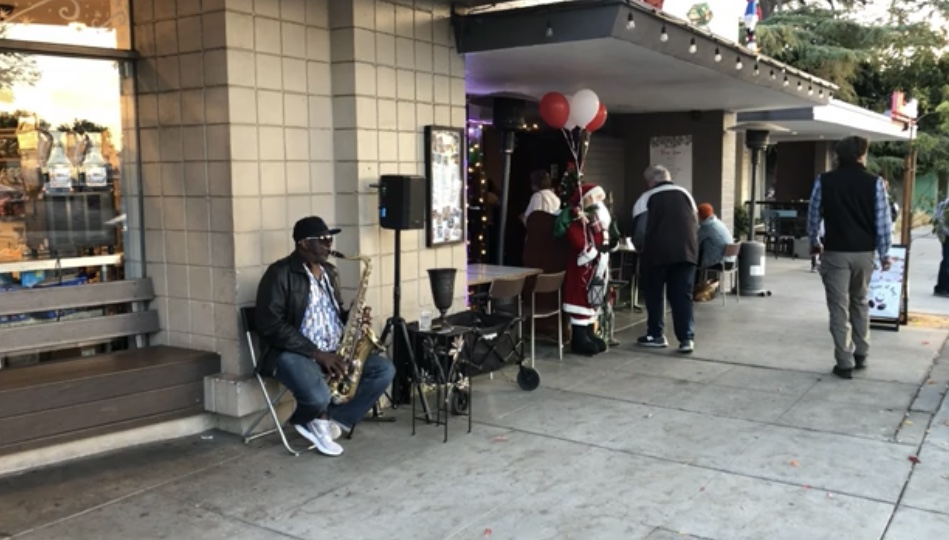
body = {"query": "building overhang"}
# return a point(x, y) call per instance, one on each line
point(832, 121)
point(615, 48)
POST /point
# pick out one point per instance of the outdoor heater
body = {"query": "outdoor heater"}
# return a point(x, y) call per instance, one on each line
point(751, 258)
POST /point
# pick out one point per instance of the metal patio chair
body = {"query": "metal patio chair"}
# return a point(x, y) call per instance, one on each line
point(250, 331)
point(548, 283)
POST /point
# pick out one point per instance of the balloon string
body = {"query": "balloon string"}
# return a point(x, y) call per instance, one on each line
point(570, 146)
point(585, 148)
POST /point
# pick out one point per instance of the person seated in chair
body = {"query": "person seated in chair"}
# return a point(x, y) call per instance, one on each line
point(713, 238)
point(300, 322)
point(544, 199)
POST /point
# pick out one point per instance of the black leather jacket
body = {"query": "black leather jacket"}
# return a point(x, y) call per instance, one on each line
point(282, 298)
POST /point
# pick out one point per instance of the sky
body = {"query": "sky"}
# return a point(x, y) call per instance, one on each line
point(69, 88)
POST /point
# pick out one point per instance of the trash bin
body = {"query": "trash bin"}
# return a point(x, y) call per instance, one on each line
point(751, 260)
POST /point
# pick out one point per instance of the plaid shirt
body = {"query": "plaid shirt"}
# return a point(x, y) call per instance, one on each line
point(884, 221)
point(321, 322)
point(940, 221)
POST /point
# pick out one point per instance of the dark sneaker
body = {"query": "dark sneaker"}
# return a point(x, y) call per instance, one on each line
point(860, 362)
point(843, 373)
point(654, 342)
point(687, 347)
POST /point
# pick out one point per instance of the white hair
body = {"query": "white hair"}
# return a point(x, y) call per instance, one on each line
point(657, 173)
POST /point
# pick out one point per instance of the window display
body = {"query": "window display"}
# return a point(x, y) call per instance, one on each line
point(61, 187)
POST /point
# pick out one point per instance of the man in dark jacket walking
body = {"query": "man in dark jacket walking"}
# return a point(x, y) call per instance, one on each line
point(855, 208)
point(665, 222)
point(300, 321)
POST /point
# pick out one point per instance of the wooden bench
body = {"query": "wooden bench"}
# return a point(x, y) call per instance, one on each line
point(82, 396)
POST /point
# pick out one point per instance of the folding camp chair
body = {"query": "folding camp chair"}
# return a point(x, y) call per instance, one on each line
point(728, 269)
point(250, 330)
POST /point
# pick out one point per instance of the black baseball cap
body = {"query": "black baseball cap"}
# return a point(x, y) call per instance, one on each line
point(311, 227)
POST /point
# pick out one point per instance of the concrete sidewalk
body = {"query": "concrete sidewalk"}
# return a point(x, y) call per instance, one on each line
point(750, 438)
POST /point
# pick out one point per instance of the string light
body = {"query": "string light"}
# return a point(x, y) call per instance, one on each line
point(718, 55)
point(663, 36)
point(692, 47)
point(810, 90)
point(477, 193)
point(738, 64)
point(630, 21)
point(773, 77)
point(550, 31)
point(757, 70)
point(799, 86)
point(786, 81)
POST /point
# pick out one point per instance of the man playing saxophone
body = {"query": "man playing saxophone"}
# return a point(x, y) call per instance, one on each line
point(300, 321)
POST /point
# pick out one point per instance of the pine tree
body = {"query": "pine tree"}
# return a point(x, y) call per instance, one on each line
point(905, 50)
point(832, 45)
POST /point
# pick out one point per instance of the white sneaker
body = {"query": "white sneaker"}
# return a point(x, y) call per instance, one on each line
point(318, 433)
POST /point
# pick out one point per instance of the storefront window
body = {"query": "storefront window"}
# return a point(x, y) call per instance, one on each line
point(64, 176)
point(90, 23)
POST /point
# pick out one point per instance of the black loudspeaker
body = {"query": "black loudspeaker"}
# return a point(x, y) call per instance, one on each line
point(401, 202)
point(509, 114)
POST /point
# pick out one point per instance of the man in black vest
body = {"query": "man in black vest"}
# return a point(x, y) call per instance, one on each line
point(855, 209)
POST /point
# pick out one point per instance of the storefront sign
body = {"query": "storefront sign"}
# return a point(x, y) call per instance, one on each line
point(902, 110)
point(675, 154)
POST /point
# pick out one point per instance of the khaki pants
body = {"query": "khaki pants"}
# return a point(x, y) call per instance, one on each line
point(846, 277)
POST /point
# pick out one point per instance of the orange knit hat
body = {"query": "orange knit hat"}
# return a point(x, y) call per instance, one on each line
point(705, 211)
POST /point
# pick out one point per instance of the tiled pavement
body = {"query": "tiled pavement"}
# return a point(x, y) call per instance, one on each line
point(750, 438)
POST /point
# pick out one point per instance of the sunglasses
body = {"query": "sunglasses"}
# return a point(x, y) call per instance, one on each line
point(325, 239)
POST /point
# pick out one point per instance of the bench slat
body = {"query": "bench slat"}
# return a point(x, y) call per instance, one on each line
point(89, 367)
point(47, 423)
point(123, 375)
point(68, 333)
point(78, 296)
point(99, 430)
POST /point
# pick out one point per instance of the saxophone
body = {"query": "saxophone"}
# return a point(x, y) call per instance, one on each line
point(358, 340)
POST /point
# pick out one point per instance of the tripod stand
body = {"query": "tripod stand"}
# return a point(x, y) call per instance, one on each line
point(396, 324)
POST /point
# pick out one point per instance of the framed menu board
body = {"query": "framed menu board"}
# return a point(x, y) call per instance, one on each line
point(887, 292)
point(444, 170)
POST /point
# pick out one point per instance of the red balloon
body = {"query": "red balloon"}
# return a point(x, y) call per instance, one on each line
point(555, 109)
point(598, 120)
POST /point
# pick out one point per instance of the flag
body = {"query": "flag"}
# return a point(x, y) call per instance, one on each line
point(751, 18)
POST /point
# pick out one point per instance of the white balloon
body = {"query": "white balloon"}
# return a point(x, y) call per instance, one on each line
point(572, 120)
point(583, 107)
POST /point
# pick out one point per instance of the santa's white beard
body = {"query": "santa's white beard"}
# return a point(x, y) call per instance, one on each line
point(604, 219)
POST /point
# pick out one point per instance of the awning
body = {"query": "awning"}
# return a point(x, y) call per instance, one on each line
point(617, 49)
point(833, 121)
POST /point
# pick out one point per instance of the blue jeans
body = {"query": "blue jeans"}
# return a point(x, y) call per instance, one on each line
point(942, 282)
point(305, 380)
point(678, 282)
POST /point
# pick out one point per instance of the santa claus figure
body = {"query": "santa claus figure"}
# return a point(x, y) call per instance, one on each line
point(586, 224)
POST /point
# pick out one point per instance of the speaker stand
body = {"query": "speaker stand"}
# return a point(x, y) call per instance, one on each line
point(399, 329)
